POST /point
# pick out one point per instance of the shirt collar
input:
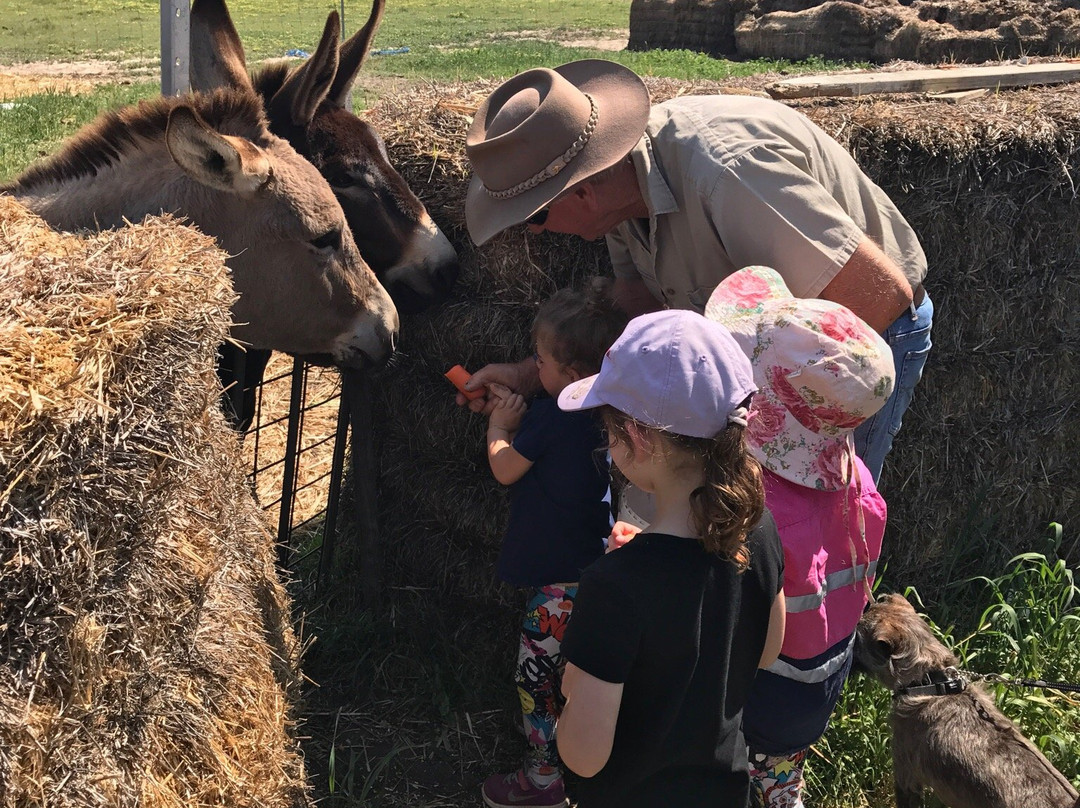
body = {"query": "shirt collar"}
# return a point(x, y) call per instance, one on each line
point(654, 187)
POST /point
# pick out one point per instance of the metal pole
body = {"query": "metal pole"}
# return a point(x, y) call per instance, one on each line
point(356, 389)
point(175, 46)
point(288, 474)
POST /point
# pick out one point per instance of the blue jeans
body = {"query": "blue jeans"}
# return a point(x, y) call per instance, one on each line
point(909, 338)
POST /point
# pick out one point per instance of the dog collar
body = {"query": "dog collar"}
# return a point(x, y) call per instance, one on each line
point(947, 682)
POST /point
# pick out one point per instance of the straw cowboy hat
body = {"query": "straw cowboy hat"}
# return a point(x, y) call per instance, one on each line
point(542, 132)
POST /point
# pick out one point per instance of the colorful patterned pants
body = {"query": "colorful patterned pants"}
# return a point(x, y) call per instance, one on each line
point(776, 782)
point(539, 677)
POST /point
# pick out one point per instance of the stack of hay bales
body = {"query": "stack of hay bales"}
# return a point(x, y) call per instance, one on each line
point(986, 456)
point(147, 654)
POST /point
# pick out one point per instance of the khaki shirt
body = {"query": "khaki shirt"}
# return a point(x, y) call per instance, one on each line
point(735, 181)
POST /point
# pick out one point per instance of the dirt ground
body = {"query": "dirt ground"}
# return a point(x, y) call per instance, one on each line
point(28, 78)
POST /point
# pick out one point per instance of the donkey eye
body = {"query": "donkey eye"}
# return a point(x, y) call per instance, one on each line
point(330, 240)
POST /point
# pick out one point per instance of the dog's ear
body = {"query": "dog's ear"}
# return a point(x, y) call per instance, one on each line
point(897, 640)
point(903, 648)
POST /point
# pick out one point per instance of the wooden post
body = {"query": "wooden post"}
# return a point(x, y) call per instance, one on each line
point(357, 387)
point(175, 46)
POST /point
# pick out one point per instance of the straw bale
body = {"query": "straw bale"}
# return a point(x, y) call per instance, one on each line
point(985, 458)
point(880, 31)
point(148, 657)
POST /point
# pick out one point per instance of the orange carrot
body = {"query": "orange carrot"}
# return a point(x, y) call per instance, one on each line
point(458, 375)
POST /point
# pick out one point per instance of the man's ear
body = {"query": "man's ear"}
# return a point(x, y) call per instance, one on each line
point(586, 195)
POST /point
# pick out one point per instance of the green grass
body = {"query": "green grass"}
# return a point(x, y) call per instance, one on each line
point(459, 40)
point(60, 29)
point(35, 125)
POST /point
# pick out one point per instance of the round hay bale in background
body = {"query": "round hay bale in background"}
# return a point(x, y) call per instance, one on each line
point(148, 653)
point(880, 31)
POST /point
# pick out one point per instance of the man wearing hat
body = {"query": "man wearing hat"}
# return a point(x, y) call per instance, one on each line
point(688, 191)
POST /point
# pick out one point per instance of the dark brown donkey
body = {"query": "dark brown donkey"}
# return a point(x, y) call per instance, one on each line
point(308, 106)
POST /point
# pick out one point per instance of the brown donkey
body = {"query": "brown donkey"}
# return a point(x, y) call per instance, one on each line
point(308, 107)
point(302, 285)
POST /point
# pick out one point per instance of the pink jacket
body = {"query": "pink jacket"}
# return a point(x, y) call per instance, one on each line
point(825, 591)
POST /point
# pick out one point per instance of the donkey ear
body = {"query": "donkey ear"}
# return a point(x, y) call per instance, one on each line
point(217, 57)
point(353, 54)
point(225, 162)
point(307, 86)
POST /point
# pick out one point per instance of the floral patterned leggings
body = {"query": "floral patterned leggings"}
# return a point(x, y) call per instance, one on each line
point(776, 781)
point(539, 677)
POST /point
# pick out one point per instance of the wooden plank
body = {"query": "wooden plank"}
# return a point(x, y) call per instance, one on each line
point(930, 80)
point(956, 96)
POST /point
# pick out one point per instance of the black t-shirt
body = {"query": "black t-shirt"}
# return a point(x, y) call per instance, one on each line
point(684, 633)
point(558, 516)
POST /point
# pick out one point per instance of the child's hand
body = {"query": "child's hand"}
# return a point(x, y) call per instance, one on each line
point(621, 533)
point(508, 412)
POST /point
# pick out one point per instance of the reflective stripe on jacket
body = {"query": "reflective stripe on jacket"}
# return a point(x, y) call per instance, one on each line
point(829, 558)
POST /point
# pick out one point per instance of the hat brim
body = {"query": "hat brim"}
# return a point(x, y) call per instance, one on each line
point(800, 455)
point(745, 293)
point(580, 395)
point(622, 102)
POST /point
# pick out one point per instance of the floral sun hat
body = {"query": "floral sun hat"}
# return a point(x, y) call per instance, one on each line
point(821, 371)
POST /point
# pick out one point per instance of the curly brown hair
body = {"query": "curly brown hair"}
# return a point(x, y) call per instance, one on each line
point(732, 499)
point(579, 326)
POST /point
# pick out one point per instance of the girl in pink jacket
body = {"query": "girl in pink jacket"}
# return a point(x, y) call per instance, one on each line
point(821, 372)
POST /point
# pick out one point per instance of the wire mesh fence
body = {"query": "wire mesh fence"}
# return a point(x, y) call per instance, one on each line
point(296, 448)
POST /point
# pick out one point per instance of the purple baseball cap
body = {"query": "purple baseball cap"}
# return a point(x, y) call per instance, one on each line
point(670, 370)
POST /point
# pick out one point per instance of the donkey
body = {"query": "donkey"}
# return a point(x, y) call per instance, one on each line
point(302, 285)
point(308, 106)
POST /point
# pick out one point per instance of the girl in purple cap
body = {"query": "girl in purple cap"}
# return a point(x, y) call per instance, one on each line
point(669, 631)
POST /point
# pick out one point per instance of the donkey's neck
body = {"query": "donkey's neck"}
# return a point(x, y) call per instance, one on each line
point(140, 182)
point(119, 167)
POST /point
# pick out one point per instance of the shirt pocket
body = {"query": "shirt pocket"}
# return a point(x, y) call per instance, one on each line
point(699, 297)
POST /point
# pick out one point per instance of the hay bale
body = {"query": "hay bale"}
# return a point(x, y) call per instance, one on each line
point(878, 31)
point(985, 459)
point(147, 653)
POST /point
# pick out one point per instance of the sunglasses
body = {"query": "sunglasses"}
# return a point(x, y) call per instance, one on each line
point(538, 218)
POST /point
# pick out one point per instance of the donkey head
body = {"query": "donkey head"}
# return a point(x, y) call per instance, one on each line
point(209, 157)
point(303, 286)
point(308, 106)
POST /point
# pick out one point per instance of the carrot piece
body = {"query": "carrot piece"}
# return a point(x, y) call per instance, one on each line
point(458, 375)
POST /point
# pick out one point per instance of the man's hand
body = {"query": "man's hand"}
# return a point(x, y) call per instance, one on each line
point(499, 380)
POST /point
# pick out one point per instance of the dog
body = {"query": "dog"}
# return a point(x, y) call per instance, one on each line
point(948, 735)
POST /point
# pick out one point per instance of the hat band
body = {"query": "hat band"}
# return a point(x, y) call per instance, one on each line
point(557, 165)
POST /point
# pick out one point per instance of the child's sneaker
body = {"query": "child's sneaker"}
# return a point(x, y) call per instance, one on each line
point(515, 791)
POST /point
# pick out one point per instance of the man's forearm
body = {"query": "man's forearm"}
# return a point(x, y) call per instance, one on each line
point(872, 286)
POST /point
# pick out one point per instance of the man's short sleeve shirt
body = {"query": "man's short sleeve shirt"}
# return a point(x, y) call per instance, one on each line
point(734, 181)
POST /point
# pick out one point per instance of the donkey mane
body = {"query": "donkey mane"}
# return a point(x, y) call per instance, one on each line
point(270, 77)
point(102, 142)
